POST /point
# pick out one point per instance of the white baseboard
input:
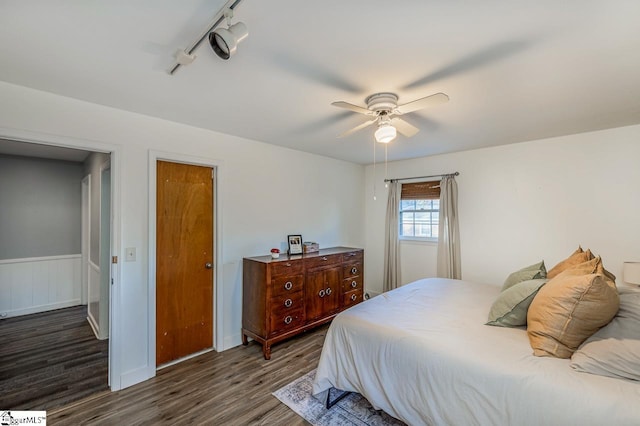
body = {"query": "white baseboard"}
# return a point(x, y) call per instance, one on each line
point(133, 377)
point(231, 342)
point(39, 308)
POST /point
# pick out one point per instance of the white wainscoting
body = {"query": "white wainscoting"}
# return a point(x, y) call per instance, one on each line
point(39, 284)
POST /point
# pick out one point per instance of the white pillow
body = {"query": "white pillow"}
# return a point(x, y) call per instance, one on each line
point(614, 350)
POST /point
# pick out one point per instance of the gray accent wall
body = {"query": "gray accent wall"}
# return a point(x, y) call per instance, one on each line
point(40, 207)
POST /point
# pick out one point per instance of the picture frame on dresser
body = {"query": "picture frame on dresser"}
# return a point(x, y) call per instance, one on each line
point(295, 244)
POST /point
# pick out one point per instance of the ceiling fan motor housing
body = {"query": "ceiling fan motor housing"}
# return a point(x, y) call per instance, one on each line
point(384, 101)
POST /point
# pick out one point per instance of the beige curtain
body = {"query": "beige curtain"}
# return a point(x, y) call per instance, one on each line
point(391, 246)
point(449, 232)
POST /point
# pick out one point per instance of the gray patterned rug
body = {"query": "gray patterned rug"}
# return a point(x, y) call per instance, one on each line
point(351, 410)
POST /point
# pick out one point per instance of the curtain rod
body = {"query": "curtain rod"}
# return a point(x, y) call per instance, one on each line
point(423, 177)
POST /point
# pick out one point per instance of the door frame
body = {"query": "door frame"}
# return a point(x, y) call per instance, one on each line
point(86, 237)
point(218, 306)
point(115, 338)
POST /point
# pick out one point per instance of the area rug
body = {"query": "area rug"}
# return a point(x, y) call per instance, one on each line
point(354, 409)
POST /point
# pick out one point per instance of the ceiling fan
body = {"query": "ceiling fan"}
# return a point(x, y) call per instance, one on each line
point(383, 108)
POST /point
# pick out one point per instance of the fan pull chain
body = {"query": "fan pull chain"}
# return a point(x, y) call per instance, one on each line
point(374, 170)
point(386, 175)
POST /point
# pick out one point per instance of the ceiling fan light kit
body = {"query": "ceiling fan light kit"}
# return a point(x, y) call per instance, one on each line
point(385, 133)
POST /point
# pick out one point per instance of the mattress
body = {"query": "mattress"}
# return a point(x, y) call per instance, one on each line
point(423, 354)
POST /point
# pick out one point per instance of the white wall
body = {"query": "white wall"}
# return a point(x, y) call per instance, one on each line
point(525, 202)
point(267, 192)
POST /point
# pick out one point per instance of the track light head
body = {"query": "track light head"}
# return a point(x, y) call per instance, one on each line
point(224, 41)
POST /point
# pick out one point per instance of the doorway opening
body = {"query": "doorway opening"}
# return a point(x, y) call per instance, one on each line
point(55, 316)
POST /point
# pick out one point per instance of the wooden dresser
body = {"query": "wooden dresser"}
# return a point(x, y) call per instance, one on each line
point(289, 295)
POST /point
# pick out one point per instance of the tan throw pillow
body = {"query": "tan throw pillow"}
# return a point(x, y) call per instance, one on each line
point(569, 309)
point(604, 272)
point(592, 266)
point(577, 257)
point(607, 275)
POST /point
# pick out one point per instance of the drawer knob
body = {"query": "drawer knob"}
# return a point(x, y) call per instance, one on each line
point(288, 319)
point(288, 285)
point(324, 257)
point(328, 291)
point(288, 264)
point(354, 284)
point(288, 303)
point(354, 270)
point(321, 293)
point(354, 297)
point(352, 254)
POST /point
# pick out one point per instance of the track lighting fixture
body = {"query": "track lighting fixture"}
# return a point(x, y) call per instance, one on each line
point(224, 41)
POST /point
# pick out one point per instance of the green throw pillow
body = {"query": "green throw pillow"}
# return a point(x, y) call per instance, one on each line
point(510, 308)
point(532, 272)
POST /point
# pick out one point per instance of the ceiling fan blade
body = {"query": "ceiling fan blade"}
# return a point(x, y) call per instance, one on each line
point(352, 107)
point(403, 127)
point(438, 98)
point(473, 61)
point(360, 127)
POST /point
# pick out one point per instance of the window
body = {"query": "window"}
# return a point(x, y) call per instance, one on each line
point(420, 210)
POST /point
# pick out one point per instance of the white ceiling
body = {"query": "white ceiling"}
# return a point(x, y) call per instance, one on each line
point(514, 70)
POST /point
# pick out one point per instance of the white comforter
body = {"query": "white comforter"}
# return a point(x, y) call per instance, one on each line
point(423, 354)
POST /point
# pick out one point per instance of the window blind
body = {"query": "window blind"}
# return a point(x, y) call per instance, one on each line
point(421, 190)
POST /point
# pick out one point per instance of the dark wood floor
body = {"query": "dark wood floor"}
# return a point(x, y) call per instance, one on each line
point(228, 388)
point(49, 359)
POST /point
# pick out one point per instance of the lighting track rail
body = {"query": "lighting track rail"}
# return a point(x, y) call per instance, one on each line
point(185, 57)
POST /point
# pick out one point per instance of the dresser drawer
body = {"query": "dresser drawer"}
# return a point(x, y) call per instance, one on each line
point(285, 302)
point(286, 267)
point(351, 298)
point(353, 256)
point(352, 270)
point(318, 261)
point(286, 285)
point(283, 320)
point(353, 283)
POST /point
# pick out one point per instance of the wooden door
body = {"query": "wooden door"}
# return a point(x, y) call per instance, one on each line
point(184, 258)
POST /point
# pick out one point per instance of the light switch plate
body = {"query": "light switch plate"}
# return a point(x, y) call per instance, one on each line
point(130, 254)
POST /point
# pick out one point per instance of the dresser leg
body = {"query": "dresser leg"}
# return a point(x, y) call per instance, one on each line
point(245, 341)
point(266, 351)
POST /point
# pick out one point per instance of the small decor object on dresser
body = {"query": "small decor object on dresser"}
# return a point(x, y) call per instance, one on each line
point(310, 247)
point(275, 253)
point(295, 244)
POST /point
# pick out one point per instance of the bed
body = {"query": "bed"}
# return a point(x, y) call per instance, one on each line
point(423, 354)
